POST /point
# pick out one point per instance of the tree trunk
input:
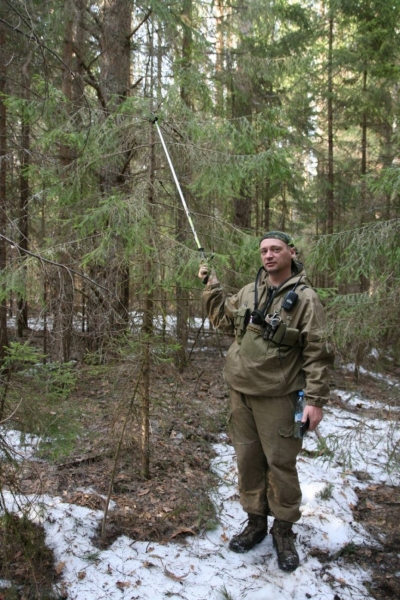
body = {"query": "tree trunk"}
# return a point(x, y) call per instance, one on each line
point(242, 112)
point(148, 309)
point(220, 9)
point(3, 188)
point(62, 300)
point(113, 89)
point(22, 314)
point(330, 191)
point(181, 293)
point(147, 329)
point(267, 200)
point(364, 282)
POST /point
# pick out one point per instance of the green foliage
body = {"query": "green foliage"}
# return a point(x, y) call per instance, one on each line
point(25, 560)
point(20, 354)
point(224, 594)
point(358, 319)
point(346, 550)
point(232, 152)
point(370, 251)
point(326, 492)
point(37, 399)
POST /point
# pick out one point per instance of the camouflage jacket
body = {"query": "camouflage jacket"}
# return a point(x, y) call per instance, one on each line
point(296, 358)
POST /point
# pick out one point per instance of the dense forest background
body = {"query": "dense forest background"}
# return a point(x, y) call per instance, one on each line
point(277, 115)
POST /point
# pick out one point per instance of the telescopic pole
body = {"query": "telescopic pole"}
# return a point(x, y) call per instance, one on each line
point(171, 166)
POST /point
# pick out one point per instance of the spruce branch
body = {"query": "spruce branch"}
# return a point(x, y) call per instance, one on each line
point(62, 266)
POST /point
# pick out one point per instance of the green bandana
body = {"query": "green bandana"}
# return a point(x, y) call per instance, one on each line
point(279, 235)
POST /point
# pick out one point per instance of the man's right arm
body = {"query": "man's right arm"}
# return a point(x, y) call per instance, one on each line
point(220, 307)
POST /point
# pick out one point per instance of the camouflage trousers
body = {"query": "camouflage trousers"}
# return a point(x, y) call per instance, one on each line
point(266, 451)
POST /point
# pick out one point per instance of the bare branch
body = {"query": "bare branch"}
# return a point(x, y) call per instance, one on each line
point(145, 18)
point(61, 266)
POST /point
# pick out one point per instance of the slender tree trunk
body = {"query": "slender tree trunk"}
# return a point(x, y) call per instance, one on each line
point(267, 199)
point(364, 281)
point(22, 314)
point(148, 310)
point(284, 210)
point(3, 188)
point(219, 9)
point(148, 318)
point(330, 191)
point(181, 293)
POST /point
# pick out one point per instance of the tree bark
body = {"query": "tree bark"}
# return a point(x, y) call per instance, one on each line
point(147, 329)
point(330, 191)
point(181, 293)
point(3, 187)
point(22, 314)
point(62, 300)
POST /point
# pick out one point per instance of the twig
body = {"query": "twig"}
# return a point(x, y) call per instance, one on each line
point(68, 269)
point(110, 487)
point(196, 338)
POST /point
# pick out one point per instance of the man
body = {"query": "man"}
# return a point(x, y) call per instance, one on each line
point(278, 350)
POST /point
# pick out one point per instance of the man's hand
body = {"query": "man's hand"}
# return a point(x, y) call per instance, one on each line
point(204, 271)
point(314, 414)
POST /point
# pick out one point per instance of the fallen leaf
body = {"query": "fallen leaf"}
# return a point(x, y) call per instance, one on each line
point(182, 530)
point(60, 567)
point(173, 576)
point(147, 564)
point(123, 584)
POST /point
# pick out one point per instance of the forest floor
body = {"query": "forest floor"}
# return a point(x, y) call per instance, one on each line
point(189, 412)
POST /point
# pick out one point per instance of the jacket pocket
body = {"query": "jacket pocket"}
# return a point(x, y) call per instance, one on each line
point(291, 336)
point(253, 345)
point(287, 431)
point(240, 322)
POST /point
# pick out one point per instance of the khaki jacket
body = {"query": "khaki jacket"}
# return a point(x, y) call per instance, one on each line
point(298, 358)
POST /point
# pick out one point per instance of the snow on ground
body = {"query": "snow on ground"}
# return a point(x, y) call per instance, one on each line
point(389, 380)
point(356, 401)
point(18, 446)
point(203, 568)
point(162, 322)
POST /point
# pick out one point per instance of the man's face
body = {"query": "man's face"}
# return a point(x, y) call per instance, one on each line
point(277, 257)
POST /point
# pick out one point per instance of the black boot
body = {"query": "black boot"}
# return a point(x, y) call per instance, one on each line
point(255, 531)
point(283, 537)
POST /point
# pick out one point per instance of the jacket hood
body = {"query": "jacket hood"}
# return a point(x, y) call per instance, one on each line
point(297, 267)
